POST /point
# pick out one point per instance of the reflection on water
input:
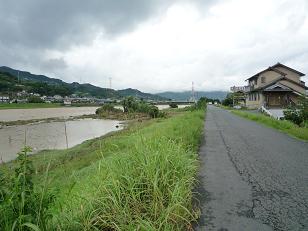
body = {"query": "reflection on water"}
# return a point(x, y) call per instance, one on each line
point(51, 135)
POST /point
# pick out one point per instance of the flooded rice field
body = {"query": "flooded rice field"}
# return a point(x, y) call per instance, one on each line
point(44, 113)
point(54, 134)
point(51, 135)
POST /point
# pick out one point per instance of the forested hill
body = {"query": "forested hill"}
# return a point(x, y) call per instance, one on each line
point(44, 85)
point(24, 75)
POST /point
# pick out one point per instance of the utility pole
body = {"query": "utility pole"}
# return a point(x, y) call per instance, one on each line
point(193, 97)
point(110, 79)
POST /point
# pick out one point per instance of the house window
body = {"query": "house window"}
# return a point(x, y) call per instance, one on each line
point(262, 79)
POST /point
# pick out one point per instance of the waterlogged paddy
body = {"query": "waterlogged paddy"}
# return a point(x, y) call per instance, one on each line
point(8, 115)
point(44, 113)
point(51, 135)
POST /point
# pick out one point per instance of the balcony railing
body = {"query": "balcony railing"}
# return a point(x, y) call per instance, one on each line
point(241, 88)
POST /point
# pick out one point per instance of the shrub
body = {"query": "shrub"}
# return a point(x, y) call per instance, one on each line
point(293, 115)
point(228, 101)
point(35, 99)
point(173, 105)
point(200, 105)
point(298, 114)
point(107, 108)
point(130, 105)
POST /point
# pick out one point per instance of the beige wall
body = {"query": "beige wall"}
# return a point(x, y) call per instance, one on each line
point(255, 104)
point(269, 77)
point(293, 86)
point(290, 74)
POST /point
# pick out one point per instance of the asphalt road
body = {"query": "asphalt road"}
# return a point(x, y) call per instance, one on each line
point(252, 177)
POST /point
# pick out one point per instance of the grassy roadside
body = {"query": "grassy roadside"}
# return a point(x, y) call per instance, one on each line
point(281, 125)
point(138, 179)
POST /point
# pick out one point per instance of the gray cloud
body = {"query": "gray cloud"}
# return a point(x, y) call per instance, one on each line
point(54, 64)
point(58, 24)
point(29, 28)
point(55, 38)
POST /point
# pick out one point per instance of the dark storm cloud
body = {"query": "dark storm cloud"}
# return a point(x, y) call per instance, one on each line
point(58, 23)
point(30, 28)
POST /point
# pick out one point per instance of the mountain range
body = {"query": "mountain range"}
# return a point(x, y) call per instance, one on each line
point(44, 85)
point(185, 95)
point(15, 80)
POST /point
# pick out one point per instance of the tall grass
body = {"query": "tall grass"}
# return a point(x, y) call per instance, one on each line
point(282, 125)
point(21, 207)
point(146, 184)
point(138, 179)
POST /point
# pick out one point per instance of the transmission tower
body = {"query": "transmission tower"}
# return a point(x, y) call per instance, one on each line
point(193, 95)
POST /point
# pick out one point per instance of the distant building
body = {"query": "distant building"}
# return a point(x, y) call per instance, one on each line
point(4, 99)
point(58, 97)
point(67, 102)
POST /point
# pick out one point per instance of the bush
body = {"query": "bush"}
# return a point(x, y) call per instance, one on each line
point(130, 104)
point(228, 101)
point(293, 115)
point(200, 105)
point(173, 105)
point(35, 99)
point(298, 114)
point(107, 108)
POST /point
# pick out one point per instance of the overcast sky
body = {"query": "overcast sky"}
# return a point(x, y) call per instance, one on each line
point(154, 45)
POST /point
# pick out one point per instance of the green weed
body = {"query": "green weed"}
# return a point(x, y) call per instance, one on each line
point(282, 125)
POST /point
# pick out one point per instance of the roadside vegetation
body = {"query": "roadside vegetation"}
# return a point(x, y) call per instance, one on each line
point(228, 101)
point(140, 178)
point(299, 113)
point(282, 125)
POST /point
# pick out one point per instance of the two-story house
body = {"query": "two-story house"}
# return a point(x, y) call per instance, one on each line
point(275, 87)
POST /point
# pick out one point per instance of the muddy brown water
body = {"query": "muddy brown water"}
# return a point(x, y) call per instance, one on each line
point(44, 113)
point(51, 135)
